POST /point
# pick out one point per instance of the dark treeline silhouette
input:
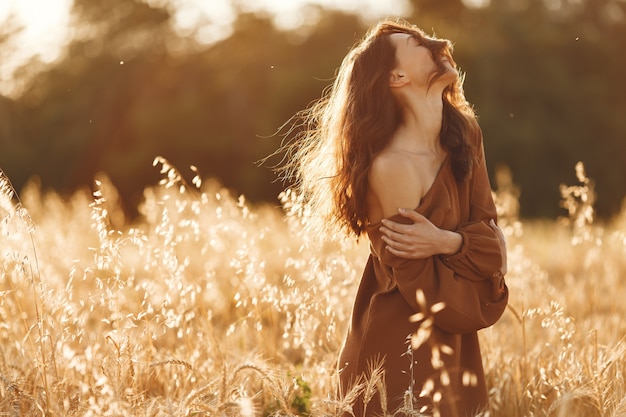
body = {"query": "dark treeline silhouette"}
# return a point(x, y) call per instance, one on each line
point(548, 85)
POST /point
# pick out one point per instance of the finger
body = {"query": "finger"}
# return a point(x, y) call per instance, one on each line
point(412, 214)
point(396, 227)
point(401, 234)
point(493, 224)
point(499, 232)
point(504, 267)
point(402, 253)
point(394, 238)
point(399, 253)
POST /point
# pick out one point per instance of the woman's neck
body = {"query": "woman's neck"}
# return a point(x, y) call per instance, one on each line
point(421, 125)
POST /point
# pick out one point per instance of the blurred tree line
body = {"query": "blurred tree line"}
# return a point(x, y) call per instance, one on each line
point(547, 78)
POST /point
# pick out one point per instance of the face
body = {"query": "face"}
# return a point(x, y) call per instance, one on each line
point(415, 61)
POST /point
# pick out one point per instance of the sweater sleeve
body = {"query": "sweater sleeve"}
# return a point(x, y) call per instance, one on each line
point(483, 252)
point(471, 282)
point(468, 305)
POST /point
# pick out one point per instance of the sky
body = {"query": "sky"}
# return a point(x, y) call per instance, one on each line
point(46, 22)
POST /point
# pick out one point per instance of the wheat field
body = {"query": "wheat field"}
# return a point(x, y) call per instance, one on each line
point(210, 306)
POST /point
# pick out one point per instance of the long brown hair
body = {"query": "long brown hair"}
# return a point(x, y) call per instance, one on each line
point(330, 159)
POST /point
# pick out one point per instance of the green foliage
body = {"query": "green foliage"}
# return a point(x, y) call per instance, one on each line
point(547, 88)
point(300, 400)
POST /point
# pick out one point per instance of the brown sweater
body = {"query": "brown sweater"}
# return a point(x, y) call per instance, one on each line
point(471, 285)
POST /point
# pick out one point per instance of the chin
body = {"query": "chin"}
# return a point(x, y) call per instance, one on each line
point(450, 70)
point(449, 76)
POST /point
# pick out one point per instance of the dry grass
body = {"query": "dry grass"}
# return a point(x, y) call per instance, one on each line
point(210, 307)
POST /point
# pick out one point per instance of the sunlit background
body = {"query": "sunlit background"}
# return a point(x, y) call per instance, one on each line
point(88, 86)
point(208, 304)
point(44, 24)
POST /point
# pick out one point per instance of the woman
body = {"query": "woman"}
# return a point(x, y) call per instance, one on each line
point(394, 151)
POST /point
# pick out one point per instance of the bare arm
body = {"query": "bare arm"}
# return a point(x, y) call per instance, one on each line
point(390, 179)
point(411, 269)
point(475, 249)
point(419, 239)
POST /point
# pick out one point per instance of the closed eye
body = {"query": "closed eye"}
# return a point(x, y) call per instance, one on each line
point(416, 41)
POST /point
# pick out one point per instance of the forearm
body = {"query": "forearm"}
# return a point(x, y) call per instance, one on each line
point(482, 253)
point(449, 243)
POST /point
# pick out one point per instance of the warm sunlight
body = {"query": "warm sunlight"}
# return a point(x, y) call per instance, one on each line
point(290, 14)
point(45, 22)
point(45, 25)
point(192, 15)
point(186, 214)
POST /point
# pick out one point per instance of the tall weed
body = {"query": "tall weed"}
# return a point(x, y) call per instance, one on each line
point(208, 305)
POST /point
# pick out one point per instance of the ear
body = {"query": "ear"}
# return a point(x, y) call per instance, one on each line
point(398, 79)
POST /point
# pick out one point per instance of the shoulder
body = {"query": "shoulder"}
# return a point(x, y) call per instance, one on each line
point(395, 182)
point(391, 165)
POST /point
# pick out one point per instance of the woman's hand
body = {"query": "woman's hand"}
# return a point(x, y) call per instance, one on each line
point(418, 240)
point(502, 240)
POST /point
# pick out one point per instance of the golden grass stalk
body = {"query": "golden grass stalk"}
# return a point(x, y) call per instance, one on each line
point(208, 305)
